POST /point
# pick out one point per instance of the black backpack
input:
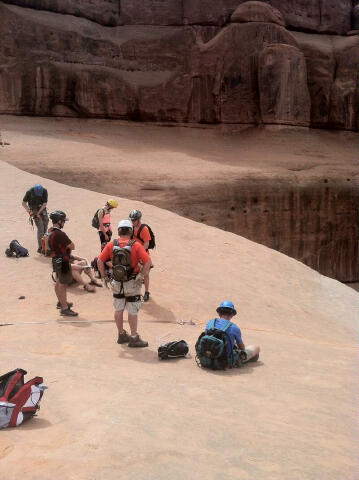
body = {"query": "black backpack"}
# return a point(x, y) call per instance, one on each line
point(95, 221)
point(152, 242)
point(122, 270)
point(16, 249)
point(175, 349)
point(212, 347)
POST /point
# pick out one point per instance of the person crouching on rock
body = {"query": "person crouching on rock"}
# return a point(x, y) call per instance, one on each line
point(125, 255)
point(238, 352)
point(62, 247)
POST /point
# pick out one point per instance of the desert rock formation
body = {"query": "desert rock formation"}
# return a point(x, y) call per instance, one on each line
point(182, 61)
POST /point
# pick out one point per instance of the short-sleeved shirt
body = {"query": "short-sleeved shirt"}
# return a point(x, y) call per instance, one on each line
point(138, 253)
point(233, 332)
point(35, 201)
point(145, 235)
point(59, 243)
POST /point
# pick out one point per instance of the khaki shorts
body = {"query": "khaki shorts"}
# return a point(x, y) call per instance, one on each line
point(130, 289)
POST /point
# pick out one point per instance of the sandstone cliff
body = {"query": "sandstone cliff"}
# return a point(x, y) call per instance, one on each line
point(206, 61)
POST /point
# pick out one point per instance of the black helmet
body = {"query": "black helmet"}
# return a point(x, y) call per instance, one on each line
point(135, 215)
point(57, 216)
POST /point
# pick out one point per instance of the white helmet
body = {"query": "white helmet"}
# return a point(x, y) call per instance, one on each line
point(125, 224)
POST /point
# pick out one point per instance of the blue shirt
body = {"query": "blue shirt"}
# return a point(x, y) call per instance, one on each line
point(233, 332)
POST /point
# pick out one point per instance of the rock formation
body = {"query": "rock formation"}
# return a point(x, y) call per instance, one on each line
point(207, 61)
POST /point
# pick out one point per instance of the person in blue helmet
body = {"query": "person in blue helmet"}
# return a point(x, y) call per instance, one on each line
point(239, 353)
point(35, 202)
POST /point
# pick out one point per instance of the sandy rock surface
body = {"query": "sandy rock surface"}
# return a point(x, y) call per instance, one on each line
point(111, 412)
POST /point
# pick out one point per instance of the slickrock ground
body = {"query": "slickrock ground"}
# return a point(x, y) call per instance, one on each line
point(114, 413)
point(293, 189)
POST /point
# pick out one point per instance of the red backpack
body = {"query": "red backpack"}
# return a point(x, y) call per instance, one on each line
point(19, 401)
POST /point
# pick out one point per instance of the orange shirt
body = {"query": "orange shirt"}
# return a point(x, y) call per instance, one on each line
point(138, 253)
point(145, 235)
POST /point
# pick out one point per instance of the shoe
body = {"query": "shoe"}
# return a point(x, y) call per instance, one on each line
point(68, 313)
point(137, 342)
point(39, 250)
point(146, 296)
point(69, 305)
point(123, 337)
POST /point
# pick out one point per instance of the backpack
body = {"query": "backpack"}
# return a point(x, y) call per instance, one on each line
point(212, 347)
point(16, 249)
point(19, 401)
point(95, 221)
point(45, 243)
point(175, 349)
point(121, 262)
point(152, 242)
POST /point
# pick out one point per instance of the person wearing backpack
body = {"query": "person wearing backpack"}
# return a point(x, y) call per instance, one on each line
point(102, 221)
point(62, 247)
point(125, 256)
point(143, 234)
point(233, 352)
point(35, 202)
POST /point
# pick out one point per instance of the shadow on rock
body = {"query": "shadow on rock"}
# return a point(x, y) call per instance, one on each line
point(139, 354)
point(160, 314)
point(244, 370)
point(35, 424)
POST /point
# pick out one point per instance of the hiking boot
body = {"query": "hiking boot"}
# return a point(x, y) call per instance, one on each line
point(137, 342)
point(39, 250)
point(146, 296)
point(69, 305)
point(67, 312)
point(123, 337)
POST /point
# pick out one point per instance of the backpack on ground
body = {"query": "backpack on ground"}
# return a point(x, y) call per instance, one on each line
point(152, 242)
point(45, 243)
point(212, 347)
point(16, 249)
point(175, 349)
point(95, 221)
point(122, 270)
point(19, 401)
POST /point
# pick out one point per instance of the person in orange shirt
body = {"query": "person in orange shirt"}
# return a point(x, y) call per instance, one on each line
point(143, 236)
point(127, 294)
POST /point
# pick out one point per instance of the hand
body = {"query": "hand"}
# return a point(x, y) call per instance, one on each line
point(31, 213)
point(139, 278)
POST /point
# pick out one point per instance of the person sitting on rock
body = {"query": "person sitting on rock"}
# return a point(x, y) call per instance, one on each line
point(238, 353)
point(126, 293)
point(35, 202)
point(80, 265)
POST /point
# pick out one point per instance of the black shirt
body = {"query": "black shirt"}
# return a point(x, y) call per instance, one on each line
point(35, 201)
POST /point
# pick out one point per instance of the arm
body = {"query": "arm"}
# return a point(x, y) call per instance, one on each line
point(43, 206)
point(145, 245)
point(146, 268)
point(101, 267)
point(24, 204)
point(71, 246)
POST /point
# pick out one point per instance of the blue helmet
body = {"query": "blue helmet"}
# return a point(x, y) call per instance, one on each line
point(38, 189)
point(226, 308)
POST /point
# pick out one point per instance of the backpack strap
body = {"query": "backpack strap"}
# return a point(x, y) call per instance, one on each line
point(115, 242)
point(213, 325)
point(143, 225)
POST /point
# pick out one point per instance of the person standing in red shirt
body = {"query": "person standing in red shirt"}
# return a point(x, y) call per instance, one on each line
point(127, 294)
point(143, 236)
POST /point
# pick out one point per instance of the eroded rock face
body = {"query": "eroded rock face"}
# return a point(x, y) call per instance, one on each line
point(257, 12)
point(246, 72)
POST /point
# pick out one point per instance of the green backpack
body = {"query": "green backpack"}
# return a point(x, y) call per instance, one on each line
point(122, 270)
point(95, 221)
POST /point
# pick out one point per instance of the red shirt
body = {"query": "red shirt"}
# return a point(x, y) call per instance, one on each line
point(138, 253)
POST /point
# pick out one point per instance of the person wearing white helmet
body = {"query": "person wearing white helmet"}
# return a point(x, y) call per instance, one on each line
point(124, 256)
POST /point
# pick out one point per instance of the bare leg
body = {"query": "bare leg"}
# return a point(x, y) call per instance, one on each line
point(60, 290)
point(76, 275)
point(147, 282)
point(132, 320)
point(119, 320)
